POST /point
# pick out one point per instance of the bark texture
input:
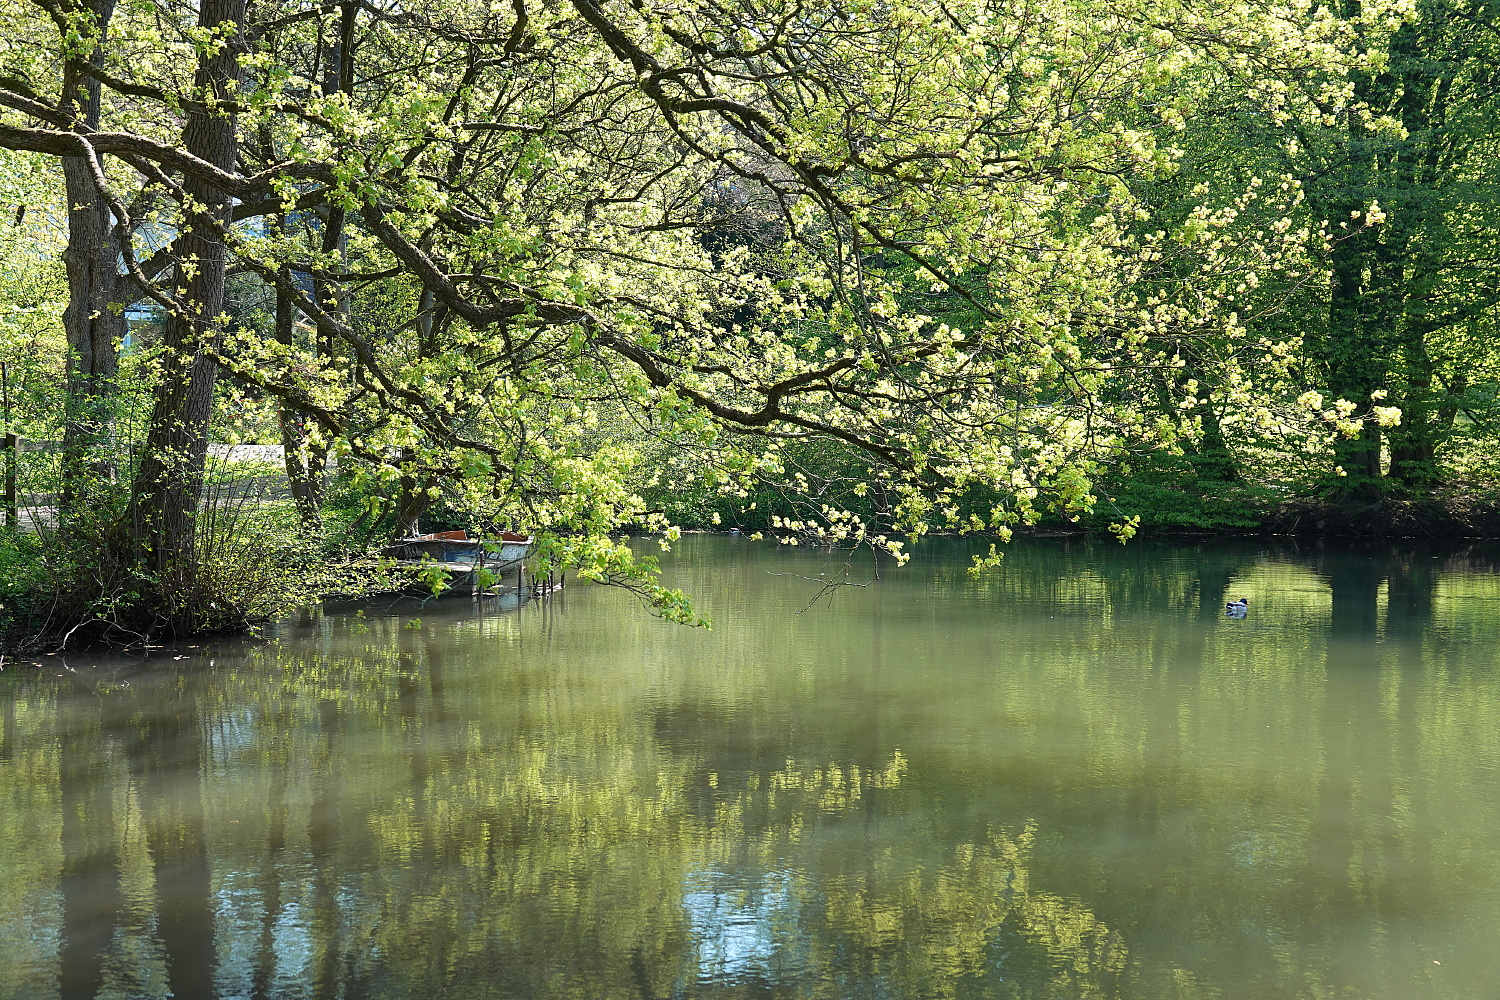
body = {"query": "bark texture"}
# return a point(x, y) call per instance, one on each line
point(169, 481)
point(94, 319)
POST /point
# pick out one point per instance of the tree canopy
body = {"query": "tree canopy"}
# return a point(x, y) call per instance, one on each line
point(918, 265)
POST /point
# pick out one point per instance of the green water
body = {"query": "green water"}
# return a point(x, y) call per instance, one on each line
point(1073, 778)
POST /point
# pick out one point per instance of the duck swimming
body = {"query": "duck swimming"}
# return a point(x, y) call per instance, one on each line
point(1238, 609)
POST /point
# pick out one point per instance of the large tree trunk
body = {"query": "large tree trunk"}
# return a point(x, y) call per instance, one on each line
point(1426, 90)
point(94, 319)
point(1390, 294)
point(1355, 367)
point(169, 480)
point(1349, 349)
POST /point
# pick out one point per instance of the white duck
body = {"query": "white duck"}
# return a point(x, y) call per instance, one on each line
point(1238, 609)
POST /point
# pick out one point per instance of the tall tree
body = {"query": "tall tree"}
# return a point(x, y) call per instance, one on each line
point(515, 210)
point(1393, 147)
point(165, 495)
point(95, 316)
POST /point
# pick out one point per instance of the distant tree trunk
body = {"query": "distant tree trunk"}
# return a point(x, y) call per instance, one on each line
point(169, 481)
point(1212, 457)
point(304, 461)
point(1209, 455)
point(94, 320)
point(413, 500)
point(1393, 286)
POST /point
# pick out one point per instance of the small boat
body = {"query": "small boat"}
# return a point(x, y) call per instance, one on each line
point(502, 553)
point(464, 558)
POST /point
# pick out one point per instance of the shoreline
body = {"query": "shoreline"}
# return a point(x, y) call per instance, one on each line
point(30, 647)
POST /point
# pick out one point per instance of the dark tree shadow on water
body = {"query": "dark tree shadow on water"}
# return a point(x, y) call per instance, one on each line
point(90, 883)
point(165, 748)
point(1369, 735)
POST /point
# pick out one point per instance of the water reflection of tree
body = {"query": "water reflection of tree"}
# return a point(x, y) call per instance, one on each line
point(546, 879)
point(1361, 730)
point(164, 746)
point(31, 856)
point(396, 814)
point(90, 893)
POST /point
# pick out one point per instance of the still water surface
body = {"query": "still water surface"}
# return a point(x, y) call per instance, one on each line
point(1073, 778)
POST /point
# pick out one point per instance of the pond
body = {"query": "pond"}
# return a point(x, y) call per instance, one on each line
point(1073, 777)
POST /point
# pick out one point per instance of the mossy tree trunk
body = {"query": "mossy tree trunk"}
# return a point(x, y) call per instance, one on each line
point(169, 480)
point(94, 320)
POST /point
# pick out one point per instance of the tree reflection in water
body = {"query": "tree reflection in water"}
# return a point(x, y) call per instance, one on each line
point(1070, 779)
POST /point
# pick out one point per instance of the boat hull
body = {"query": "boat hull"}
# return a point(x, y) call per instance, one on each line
point(463, 559)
